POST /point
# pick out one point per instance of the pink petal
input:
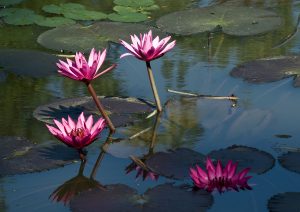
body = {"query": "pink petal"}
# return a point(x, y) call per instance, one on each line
point(91, 57)
point(89, 122)
point(101, 59)
point(219, 170)
point(105, 71)
point(60, 127)
point(53, 130)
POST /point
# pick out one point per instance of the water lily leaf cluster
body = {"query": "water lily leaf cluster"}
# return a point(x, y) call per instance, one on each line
point(20, 16)
point(80, 38)
point(239, 21)
point(74, 11)
point(132, 10)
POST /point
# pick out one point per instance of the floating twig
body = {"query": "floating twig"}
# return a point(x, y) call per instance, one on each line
point(65, 55)
point(139, 133)
point(232, 97)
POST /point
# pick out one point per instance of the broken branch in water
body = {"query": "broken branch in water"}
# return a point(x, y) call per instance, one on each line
point(232, 97)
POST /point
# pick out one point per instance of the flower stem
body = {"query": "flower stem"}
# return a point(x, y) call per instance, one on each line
point(100, 107)
point(153, 86)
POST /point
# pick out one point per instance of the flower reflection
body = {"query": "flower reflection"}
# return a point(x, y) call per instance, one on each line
point(79, 183)
point(215, 177)
point(138, 164)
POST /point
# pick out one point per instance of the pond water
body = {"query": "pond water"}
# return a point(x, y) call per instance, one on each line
point(266, 116)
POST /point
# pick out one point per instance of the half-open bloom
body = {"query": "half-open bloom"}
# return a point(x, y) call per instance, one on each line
point(215, 177)
point(146, 49)
point(77, 135)
point(81, 69)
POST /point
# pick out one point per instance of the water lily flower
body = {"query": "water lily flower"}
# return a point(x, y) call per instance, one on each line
point(85, 70)
point(215, 177)
point(77, 134)
point(147, 49)
point(82, 70)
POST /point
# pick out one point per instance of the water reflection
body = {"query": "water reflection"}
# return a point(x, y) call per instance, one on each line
point(138, 163)
point(69, 189)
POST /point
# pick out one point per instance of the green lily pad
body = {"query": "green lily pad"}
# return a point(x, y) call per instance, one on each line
point(134, 3)
point(83, 38)
point(28, 62)
point(20, 156)
point(124, 10)
point(289, 201)
point(120, 197)
point(239, 21)
point(258, 161)
point(72, 38)
point(128, 17)
point(122, 111)
point(74, 11)
point(54, 21)
point(9, 2)
point(175, 164)
point(16, 16)
point(9, 11)
point(269, 70)
point(290, 161)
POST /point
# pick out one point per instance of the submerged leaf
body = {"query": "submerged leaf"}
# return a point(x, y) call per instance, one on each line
point(289, 201)
point(240, 21)
point(290, 161)
point(269, 70)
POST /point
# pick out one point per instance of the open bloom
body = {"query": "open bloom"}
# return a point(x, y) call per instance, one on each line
point(215, 177)
point(77, 135)
point(84, 70)
point(146, 49)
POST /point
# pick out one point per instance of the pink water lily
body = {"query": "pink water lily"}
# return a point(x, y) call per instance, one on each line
point(216, 177)
point(84, 70)
point(77, 134)
point(145, 48)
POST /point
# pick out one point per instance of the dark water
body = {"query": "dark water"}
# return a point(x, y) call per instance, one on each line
point(264, 110)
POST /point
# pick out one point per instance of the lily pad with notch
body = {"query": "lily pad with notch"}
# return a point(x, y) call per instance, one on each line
point(120, 197)
point(238, 21)
point(289, 201)
point(269, 70)
point(83, 38)
point(20, 156)
point(258, 161)
point(175, 164)
point(291, 161)
point(122, 111)
point(21, 62)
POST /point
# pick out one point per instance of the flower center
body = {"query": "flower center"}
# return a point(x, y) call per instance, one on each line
point(220, 182)
point(77, 132)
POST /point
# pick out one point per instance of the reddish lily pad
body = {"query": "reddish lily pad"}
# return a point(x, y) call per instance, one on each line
point(289, 201)
point(269, 70)
point(28, 63)
point(247, 157)
point(82, 38)
point(20, 156)
point(160, 198)
point(174, 164)
point(122, 111)
point(291, 161)
point(240, 21)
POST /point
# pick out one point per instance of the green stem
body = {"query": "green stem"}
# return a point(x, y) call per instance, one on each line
point(100, 107)
point(153, 86)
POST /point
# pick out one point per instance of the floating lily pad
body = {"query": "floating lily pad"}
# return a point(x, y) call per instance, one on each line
point(122, 111)
point(240, 21)
point(128, 17)
point(28, 63)
point(19, 16)
point(83, 38)
point(289, 201)
point(291, 161)
point(72, 38)
point(9, 2)
point(20, 156)
point(175, 164)
point(269, 70)
point(54, 21)
point(123, 198)
point(134, 3)
point(258, 161)
point(74, 11)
